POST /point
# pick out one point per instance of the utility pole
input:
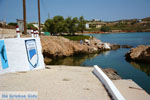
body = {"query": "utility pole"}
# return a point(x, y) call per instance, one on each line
point(39, 17)
point(24, 16)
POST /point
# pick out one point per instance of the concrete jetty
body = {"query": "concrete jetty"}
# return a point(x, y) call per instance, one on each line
point(68, 83)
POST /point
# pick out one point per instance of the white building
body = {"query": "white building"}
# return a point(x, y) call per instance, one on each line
point(87, 26)
point(94, 24)
point(21, 25)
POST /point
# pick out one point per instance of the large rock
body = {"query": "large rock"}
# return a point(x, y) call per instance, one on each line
point(57, 46)
point(140, 53)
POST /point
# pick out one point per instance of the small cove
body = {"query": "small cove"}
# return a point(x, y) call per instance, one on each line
point(139, 72)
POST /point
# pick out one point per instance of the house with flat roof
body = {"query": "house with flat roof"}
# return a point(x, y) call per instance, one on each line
point(94, 24)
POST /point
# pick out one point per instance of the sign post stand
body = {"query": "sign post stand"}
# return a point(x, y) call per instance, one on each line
point(17, 31)
point(32, 33)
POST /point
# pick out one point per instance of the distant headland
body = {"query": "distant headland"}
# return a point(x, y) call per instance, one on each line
point(59, 25)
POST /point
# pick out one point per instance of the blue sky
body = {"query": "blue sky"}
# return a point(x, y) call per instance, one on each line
point(106, 10)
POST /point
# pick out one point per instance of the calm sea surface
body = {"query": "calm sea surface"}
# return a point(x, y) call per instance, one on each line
point(115, 59)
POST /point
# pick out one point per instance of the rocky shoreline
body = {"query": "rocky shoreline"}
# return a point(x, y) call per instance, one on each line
point(57, 46)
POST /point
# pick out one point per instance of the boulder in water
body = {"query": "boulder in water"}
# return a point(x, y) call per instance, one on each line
point(114, 46)
point(140, 54)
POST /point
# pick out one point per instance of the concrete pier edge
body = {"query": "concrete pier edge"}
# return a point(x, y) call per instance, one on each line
point(108, 83)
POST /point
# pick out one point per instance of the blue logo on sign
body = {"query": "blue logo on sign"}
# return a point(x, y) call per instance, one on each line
point(3, 55)
point(32, 52)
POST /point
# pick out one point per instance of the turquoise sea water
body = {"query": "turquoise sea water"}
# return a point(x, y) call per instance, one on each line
point(139, 72)
point(133, 39)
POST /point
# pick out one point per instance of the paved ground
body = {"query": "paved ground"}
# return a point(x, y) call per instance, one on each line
point(57, 83)
point(68, 83)
point(130, 90)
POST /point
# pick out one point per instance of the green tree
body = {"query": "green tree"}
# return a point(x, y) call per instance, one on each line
point(74, 25)
point(105, 29)
point(12, 24)
point(59, 23)
point(81, 26)
point(71, 25)
point(50, 26)
point(31, 26)
point(67, 25)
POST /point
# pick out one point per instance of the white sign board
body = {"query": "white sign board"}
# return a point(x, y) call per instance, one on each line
point(20, 54)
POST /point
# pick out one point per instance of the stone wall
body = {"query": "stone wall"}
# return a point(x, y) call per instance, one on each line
point(5, 33)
